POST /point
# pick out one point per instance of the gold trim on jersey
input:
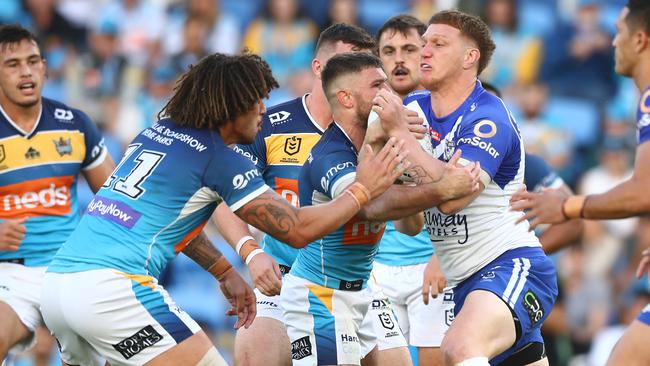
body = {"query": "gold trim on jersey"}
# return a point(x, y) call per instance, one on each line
point(289, 148)
point(46, 147)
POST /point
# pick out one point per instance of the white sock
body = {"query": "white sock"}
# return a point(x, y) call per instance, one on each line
point(475, 361)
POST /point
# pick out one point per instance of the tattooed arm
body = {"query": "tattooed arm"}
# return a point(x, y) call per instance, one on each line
point(233, 287)
point(299, 226)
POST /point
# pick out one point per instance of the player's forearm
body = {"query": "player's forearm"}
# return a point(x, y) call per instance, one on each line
point(628, 199)
point(424, 168)
point(560, 236)
point(297, 227)
point(231, 227)
point(401, 201)
point(411, 225)
point(201, 251)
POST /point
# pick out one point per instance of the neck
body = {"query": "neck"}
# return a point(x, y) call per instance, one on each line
point(24, 117)
point(318, 106)
point(354, 128)
point(227, 134)
point(641, 76)
point(447, 97)
point(402, 96)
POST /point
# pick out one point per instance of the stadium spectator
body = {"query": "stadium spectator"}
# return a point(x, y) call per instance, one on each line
point(222, 34)
point(283, 37)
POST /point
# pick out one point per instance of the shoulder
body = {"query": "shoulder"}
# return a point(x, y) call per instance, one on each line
point(65, 115)
point(282, 116)
point(418, 96)
point(489, 116)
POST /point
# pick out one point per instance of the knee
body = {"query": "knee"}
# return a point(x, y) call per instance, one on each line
point(456, 351)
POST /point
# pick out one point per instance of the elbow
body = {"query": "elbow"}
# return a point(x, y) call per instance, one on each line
point(449, 208)
point(411, 231)
point(298, 240)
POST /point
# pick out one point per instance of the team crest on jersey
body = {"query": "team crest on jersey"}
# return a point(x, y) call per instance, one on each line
point(449, 317)
point(292, 145)
point(450, 147)
point(63, 146)
point(2, 153)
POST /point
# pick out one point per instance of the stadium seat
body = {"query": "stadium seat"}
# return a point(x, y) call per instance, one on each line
point(575, 116)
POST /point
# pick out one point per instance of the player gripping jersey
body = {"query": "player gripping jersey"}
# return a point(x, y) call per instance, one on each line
point(480, 246)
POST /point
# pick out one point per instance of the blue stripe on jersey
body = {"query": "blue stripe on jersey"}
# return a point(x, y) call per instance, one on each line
point(643, 117)
point(288, 134)
point(156, 306)
point(397, 249)
point(162, 191)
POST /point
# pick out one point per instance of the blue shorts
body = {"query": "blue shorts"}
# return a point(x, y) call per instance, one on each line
point(525, 279)
point(644, 316)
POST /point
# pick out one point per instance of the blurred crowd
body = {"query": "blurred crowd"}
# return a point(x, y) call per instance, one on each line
point(118, 60)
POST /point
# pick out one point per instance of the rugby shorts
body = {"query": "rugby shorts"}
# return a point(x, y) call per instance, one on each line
point(422, 325)
point(107, 314)
point(525, 280)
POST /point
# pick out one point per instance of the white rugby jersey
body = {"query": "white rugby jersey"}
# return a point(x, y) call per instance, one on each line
point(485, 131)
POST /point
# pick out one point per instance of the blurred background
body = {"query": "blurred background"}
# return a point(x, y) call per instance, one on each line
point(117, 60)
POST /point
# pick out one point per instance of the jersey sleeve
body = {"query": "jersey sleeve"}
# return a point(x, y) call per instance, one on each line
point(643, 117)
point(332, 173)
point(234, 178)
point(95, 147)
point(539, 175)
point(255, 152)
point(486, 142)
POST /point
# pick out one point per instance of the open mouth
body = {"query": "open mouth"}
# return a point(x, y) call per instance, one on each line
point(425, 67)
point(400, 71)
point(27, 86)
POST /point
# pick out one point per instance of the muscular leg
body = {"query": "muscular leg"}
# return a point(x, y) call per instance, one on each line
point(430, 356)
point(42, 351)
point(265, 342)
point(390, 357)
point(475, 334)
point(12, 330)
point(632, 349)
point(189, 352)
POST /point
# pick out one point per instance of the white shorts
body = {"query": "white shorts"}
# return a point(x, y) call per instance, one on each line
point(423, 325)
point(328, 326)
point(382, 320)
point(124, 319)
point(20, 288)
point(268, 306)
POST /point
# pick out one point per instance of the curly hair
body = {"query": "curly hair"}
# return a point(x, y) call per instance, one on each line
point(219, 89)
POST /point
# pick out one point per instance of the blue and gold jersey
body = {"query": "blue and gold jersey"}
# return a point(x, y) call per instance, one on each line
point(288, 134)
point(159, 197)
point(643, 117)
point(38, 177)
point(344, 256)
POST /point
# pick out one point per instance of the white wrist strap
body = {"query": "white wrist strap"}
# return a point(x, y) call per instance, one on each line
point(241, 242)
point(252, 254)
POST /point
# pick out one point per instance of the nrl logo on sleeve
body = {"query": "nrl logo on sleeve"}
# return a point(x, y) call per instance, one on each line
point(142, 339)
point(63, 115)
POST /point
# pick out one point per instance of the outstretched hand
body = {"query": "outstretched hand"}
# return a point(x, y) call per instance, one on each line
point(540, 208)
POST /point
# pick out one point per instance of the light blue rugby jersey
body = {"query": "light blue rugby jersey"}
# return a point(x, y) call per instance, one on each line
point(158, 198)
point(397, 249)
point(279, 151)
point(347, 253)
point(38, 177)
point(643, 117)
